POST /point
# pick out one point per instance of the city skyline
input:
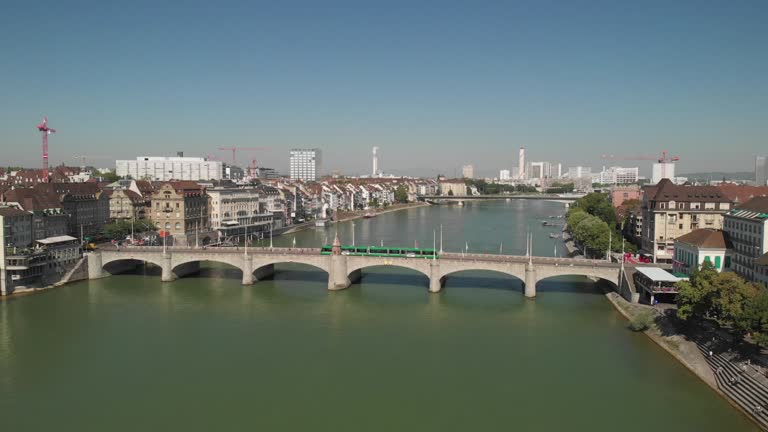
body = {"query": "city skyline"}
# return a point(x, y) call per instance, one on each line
point(569, 84)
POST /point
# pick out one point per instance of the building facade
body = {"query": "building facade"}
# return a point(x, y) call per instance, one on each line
point(702, 245)
point(617, 175)
point(126, 204)
point(662, 170)
point(181, 210)
point(455, 187)
point(237, 212)
point(671, 211)
point(746, 226)
point(619, 194)
point(305, 164)
point(161, 168)
point(85, 204)
point(48, 217)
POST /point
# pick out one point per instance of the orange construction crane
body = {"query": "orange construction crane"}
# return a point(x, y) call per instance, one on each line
point(664, 159)
point(235, 149)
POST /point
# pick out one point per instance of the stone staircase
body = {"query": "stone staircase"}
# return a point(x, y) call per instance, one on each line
point(71, 271)
point(741, 387)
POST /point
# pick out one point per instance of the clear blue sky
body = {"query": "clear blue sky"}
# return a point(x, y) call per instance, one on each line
point(434, 85)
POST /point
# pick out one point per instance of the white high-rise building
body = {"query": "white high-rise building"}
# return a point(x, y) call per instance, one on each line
point(579, 172)
point(375, 171)
point(468, 171)
point(161, 168)
point(305, 164)
point(617, 175)
point(662, 170)
point(761, 172)
point(521, 164)
point(504, 175)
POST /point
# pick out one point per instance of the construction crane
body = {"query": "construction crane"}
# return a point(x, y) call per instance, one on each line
point(664, 160)
point(43, 127)
point(235, 149)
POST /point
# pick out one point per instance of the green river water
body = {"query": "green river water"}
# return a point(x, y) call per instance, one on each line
point(203, 353)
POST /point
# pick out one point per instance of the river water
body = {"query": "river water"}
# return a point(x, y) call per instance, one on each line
point(204, 353)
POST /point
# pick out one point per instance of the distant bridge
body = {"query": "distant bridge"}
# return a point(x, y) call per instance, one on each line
point(343, 270)
point(548, 197)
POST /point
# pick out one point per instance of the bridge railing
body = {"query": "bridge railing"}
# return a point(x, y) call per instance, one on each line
point(316, 251)
point(228, 250)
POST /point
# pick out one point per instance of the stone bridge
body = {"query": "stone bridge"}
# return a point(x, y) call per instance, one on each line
point(343, 270)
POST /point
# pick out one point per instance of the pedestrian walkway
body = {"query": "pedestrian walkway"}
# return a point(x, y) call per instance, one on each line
point(743, 388)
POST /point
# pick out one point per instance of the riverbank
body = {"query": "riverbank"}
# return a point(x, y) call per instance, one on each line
point(676, 343)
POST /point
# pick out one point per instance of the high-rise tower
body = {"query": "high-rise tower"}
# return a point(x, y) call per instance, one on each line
point(375, 162)
point(521, 164)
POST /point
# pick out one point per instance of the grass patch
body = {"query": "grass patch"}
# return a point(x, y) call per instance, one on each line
point(642, 321)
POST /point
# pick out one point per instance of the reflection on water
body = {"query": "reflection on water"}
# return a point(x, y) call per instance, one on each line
point(205, 353)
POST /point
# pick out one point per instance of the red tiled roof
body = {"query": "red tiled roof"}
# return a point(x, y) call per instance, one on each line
point(668, 191)
point(757, 204)
point(742, 193)
point(12, 211)
point(32, 199)
point(707, 238)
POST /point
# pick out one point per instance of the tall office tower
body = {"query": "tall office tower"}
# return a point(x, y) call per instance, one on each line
point(468, 171)
point(305, 164)
point(761, 171)
point(375, 171)
point(521, 164)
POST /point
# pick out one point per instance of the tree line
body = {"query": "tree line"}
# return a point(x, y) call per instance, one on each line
point(592, 222)
point(727, 299)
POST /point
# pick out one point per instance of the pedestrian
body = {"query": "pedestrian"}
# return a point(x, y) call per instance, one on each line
point(710, 353)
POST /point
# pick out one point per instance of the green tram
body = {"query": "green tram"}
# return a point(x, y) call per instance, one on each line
point(379, 251)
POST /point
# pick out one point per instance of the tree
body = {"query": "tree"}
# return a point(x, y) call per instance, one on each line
point(401, 194)
point(592, 233)
point(110, 176)
point(574, 217)
point(731, 299)
point(695, 296)
point(756, 317)
point(598, 205)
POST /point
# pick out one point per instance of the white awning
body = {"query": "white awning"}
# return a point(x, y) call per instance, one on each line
point(58, 239)
point(657, 274)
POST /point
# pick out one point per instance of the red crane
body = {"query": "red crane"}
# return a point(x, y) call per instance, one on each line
point(235, 149)
point(664, 159)
point(43, 127)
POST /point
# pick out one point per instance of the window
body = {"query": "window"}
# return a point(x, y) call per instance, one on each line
point(717, 262)
point(671, 204)
point(167, 225)
point(178, 226)
point(709, 206)
point(680, 226)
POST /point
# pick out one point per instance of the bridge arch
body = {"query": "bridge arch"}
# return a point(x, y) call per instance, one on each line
point(319, 264)
point(506, 278)
point(606, 274)
point(356, 273)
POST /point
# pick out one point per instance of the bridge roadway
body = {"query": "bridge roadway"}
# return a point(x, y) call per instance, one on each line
point(551, 197)
point(343, 270)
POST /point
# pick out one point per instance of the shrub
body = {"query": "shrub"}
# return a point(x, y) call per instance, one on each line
point(642, 321)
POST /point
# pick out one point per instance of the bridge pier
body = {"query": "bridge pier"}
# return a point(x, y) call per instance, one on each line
point(338, 278)
point(435, 281)
point(247, 271)
point(167, 274)
point(95, 267)
point(530, 281)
